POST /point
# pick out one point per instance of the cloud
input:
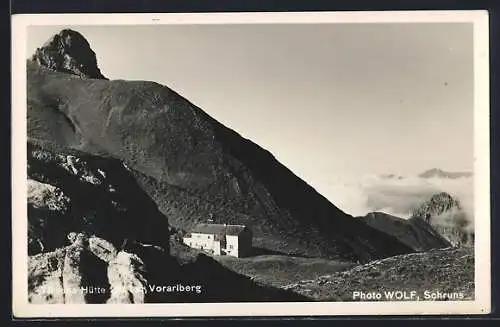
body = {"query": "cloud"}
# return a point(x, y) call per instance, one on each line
point(396, 196)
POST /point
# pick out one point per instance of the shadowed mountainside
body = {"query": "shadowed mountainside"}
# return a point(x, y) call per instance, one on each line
point(192, 166)
point(413, 232)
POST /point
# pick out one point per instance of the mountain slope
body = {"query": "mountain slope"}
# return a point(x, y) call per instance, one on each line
point(194, 167)
point(436, 275)
point(448, 218)
point(413, 232)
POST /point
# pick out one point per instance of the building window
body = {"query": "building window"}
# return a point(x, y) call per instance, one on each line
point(230, 246)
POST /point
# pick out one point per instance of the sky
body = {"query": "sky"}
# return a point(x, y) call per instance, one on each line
point(326, 99)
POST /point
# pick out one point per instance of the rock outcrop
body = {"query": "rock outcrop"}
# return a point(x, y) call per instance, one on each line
point(126, 277)
point(70, 191)
point(82, 209)
point(68, 51)
point(448, 218)
point(70, 274)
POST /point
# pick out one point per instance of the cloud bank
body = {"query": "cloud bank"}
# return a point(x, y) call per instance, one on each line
point(396, 196)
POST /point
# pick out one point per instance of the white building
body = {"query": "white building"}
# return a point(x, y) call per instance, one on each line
point(221, 239)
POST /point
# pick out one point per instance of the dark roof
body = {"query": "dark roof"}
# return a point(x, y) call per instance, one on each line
point(218, 229)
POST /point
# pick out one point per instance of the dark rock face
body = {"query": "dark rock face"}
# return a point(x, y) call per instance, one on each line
point(68, 51)
point(438, 204)
point(72, 191)
point(413, 232)
point(193, 167)
point(447, 217)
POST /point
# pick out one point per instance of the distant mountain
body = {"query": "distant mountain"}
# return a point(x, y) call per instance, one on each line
point(391, 176)
point(438, 173)
point(413, 232)
point(438, 204)
point(447, 216)
point(189, 164)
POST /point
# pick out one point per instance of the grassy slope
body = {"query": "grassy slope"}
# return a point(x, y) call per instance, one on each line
point(444, 270)
point(281, 270)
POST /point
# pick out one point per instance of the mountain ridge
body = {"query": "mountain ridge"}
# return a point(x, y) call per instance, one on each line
point(414, 232)
point(439, 173)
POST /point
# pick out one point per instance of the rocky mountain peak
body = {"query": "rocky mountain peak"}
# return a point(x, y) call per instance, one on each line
point(438, 204)
point(69, 52)
point(446, 215)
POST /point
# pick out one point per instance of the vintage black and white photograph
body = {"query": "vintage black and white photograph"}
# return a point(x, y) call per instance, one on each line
point(252, 162)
